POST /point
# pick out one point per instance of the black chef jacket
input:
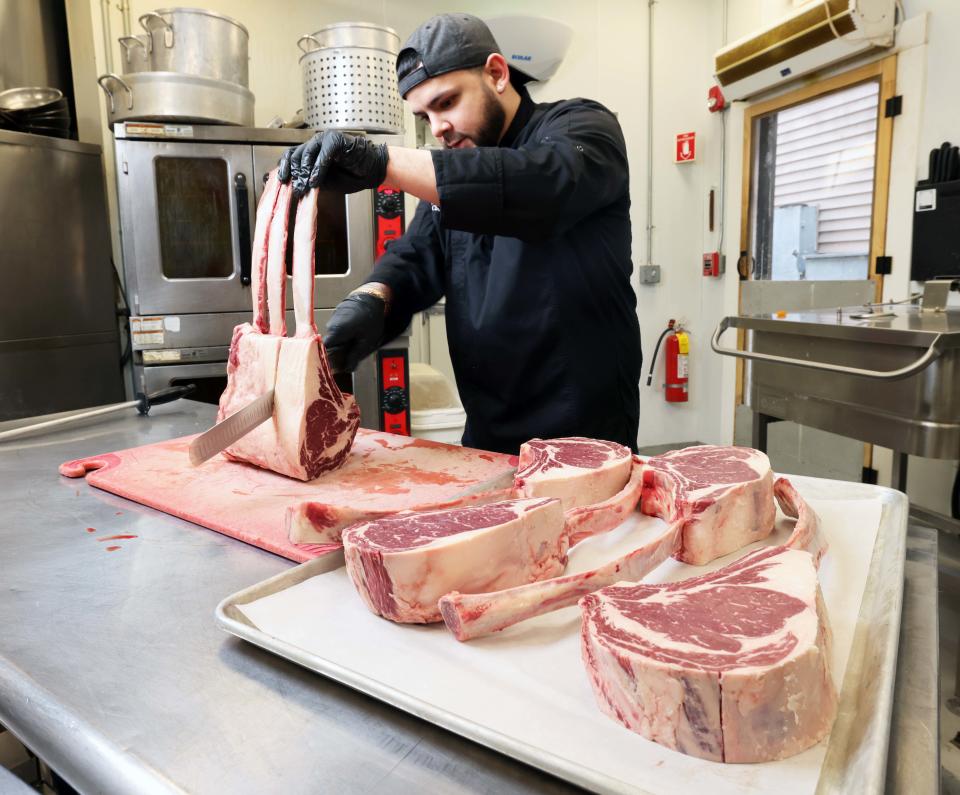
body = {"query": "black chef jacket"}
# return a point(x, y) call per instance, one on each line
point(531, 247)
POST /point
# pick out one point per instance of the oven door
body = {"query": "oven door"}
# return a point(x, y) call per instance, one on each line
point(186, 214)
point(345, 236)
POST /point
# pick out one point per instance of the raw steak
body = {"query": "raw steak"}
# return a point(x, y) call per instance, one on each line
point(730, 666)
point(577, 470)
point(313, 424)
point(252, 362)
point(470, 616)
point(403, 564)
point(725, 495)
point(316, 422)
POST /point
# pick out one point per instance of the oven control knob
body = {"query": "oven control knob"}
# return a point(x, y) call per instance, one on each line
point(388, 204)
point(394, 400)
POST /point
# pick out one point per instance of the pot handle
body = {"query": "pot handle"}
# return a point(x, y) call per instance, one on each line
point(310, 38)
point(153, 16)
point(128, 43)
point(940, 343)
point(101, 81)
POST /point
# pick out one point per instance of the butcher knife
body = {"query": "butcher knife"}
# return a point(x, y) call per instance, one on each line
point(502, 481)
point(234, 427)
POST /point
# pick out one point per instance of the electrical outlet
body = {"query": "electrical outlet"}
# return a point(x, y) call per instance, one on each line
point(649, 274)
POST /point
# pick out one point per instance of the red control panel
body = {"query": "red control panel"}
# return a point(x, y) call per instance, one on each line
point(394, 392)
point(388, 215)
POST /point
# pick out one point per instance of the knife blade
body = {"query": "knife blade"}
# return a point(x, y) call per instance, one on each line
point(234, 427)
point(502, 481)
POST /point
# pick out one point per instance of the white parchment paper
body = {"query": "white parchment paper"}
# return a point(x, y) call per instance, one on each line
point(524, 691)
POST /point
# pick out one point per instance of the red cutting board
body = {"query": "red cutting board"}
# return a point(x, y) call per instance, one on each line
point(383, 473)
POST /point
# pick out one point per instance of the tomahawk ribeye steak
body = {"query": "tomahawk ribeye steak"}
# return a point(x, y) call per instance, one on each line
point(731, 666)
point(316, 422)
point(577, 470)
point(401, 565)
point(470, 616)
point(252, 362)
point(724, 494)
point(313, 423)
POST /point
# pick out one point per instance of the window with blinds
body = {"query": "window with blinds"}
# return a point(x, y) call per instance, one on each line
point(826, 150)
point(812, 195)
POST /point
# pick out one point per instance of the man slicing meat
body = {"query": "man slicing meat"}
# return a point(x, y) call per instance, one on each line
point(523, 225)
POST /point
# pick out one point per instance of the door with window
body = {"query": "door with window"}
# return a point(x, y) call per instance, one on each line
point(813, 224)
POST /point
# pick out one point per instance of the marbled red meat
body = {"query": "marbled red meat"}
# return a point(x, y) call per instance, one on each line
point(314, 423)
point(723, 494)
point(579, 471)
point(730, 666)
point(401, 565)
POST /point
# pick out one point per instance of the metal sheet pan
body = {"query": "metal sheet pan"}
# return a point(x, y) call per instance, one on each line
point(856, 752)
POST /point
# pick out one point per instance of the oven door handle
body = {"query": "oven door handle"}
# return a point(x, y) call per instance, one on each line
point(243, 226)
point(940, 343)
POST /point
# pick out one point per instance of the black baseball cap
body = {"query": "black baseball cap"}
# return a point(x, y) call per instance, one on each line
point(446, 43)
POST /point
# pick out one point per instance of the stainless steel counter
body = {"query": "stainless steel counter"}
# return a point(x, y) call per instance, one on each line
point(112, 670)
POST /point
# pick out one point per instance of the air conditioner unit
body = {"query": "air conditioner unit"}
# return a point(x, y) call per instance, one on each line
point(817, 34)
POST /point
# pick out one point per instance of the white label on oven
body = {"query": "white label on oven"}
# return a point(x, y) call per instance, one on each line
point(144, 129)
point(172, 324)
point(178, 130)
point(146, 324)
point(141, 338)
point(167, 355)
point(926, 200)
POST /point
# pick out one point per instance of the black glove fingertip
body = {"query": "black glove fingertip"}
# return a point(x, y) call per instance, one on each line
point(283, 167)
point(336, 359)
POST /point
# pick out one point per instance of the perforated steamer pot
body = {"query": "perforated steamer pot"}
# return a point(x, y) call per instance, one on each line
point(350, 79)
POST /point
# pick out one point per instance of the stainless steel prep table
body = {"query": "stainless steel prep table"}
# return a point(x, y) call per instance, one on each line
point(113, 671)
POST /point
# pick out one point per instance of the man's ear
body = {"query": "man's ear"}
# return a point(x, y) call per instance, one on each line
point(497, 70)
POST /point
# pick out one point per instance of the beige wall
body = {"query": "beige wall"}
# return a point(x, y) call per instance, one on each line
point(607, 62)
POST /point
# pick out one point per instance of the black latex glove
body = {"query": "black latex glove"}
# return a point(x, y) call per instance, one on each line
point(334, 161)
point(354, 331)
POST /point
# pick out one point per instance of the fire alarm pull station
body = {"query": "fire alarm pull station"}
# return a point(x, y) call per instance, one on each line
point(714, 264)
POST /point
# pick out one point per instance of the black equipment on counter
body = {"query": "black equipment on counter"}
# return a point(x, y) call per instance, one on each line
point(936, 217)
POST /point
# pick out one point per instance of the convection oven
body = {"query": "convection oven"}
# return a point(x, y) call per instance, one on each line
point(187, 197)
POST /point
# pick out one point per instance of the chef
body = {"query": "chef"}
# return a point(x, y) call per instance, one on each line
point(524, 227)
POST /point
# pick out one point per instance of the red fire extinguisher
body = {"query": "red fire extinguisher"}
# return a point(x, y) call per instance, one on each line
point(677, 365)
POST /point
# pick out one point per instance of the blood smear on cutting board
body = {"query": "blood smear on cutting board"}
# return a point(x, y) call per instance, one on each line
point(115, 538)
point(91, 529)
point(112, 549)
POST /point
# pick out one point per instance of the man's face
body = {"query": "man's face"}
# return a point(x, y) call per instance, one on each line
point(462, 108)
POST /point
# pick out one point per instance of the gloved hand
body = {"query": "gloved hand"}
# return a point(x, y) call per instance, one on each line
point(335, 161)
point(354, 331)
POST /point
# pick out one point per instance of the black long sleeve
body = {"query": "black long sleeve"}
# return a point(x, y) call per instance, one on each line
point(576, 166)
point(530, 245)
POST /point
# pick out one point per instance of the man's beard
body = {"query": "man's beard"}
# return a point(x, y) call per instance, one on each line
point(488, 134)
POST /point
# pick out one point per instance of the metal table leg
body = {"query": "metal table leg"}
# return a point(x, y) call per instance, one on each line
point(898, 473)
point(759, 432)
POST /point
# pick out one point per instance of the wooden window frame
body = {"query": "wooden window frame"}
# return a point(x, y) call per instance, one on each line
point(885, 72)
